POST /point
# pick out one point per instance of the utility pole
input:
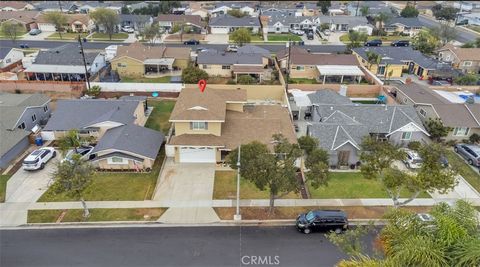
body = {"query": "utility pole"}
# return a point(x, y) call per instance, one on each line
point(60, 5)
point(356, 11)
point(237, 216)
point(84, 62)
point(289, 45)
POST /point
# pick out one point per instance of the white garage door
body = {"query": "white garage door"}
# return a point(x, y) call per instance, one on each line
point(197, 154)
point(46, 27)
point(220, 30)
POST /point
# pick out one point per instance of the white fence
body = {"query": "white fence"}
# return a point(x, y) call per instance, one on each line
point(140, 87)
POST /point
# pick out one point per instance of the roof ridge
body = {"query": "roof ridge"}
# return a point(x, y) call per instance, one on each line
point(391, 119)
point(349, 136)
point(471, 113)
point(335, 138)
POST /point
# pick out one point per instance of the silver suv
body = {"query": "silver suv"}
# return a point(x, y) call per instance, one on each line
point(470, 152)
point(38, 158)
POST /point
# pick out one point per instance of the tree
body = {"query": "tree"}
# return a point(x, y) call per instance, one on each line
point(11, 30)
point(245, 79)
point(241, 36)
point(409, 12)
point(364, 10)
point(58, 19)
point(467, 79)
point(373, 59)
point(324, 26)
point(94, 91)
point(474, 138)
point(106, 18)
point(350, 241)
point(468, 45)
point(307, 143)
point(381, 19)
point(275, 172)
point(72, 177)
point(236, 13)
point(151, 33)
point(125, 10)
point(425, 42)
point(436, 129)
point(356, 39)
point(447, 13)
point(445, 33)
point(477, 42)
point(324, 6)
point(192, 74)
point(376, 156)
point(71, 139)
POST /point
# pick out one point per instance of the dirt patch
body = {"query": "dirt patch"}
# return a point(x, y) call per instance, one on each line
point(279, 213)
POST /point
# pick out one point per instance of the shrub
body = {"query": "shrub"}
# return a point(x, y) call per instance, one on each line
point(231, 81)
point(192, 74)
point(94, 91)
point(451, 142)
point(414, 145)
point(245, 79)
point(468, 79)
point(474, 138)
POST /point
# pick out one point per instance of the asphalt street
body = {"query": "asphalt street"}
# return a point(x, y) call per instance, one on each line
point(102, 45)
point(167, 246)
point(463, 36)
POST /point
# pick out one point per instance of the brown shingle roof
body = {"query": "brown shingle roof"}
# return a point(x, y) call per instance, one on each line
point(13, 4)
point(21, 16)
point(142, 52)
point(463, 53)
point(194, 19)
point(421, 94)
point(455, 115)
point(301, 56)
point(208, 106)
point(71, 18)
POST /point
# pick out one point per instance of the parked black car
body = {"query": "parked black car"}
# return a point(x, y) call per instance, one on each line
point(310, 36)
point(376, 42)
point(191, 42)
point(24, 46)
point(400, 43)
point(322, 220)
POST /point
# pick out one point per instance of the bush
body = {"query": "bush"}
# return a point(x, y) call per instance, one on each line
point(451, 142)
point(246, 79)
point(192, 74)
point(414, 145)
point(474, 138)
point(231, 81)
point(94, 91)
point(468, 79)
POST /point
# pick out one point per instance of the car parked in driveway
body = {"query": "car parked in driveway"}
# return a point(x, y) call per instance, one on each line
point(471, 153)
point(128, 29)
point(412, 159)
point(376, 42)
point(83, 151)
point(191, 42)
point(35, 31)
point(38, 158)
point(322, 220)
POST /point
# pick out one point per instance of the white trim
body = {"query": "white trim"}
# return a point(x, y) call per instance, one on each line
point(412, 124)
point(348, 141)
point(110, 160)
point(335, 138)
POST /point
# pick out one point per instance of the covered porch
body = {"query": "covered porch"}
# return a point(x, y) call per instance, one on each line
point(339, 74)
point(155, 67)
point(255, 71)
point(55, 73)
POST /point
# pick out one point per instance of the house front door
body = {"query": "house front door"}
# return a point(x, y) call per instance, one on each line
point(343, 157)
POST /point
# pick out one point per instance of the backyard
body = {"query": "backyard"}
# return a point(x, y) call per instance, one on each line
point(164, 79)
point(158, 120)
point(76, 215)
point(302, 81)
point(458, 164)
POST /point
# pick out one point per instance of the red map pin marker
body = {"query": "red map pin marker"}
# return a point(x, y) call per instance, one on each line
point(202, 84)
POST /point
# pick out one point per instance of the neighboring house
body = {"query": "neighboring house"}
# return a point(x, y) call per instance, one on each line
point(282, 22)
point(404, 26)
point(137, 22)
point(64, 63)
point(26, 18)
point(310, 10)
point(20, 113)
point(9, 56)
point(340, 125)
point(228, 64)
point(396, 60)
point(115, 125)
point(374, 8)
point(471, 18)
point(138, 60)
point(464, 59)
point(75, 23)
point(197, 11)
point(15, 6)
point(226, 24)
point(169, 20)
point(462, 118)
point(209, 125)
point(54, 6)
point(224, 7)
point(466, 5)
point(347, 23)
point(325, 68)
point(94, 5)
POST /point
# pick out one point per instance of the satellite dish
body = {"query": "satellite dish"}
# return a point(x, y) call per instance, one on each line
point(155, 94)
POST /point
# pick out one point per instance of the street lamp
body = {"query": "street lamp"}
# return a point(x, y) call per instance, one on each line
point(183, 28)
point(84, 61)
point(289, 46)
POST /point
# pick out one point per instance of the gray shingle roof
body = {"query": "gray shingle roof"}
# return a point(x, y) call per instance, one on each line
point(78, 114)
point(227, 58)
point(68, 54)
point(328, 97)
point(4, 50)
point(134, 18)
point(286, 18)
point(131, 138)
point(253, 49)
point(399, 55)
point(229, 21)
point(411, 22)
point(350, 20)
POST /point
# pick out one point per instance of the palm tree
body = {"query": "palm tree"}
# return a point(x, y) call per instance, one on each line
point(373, 58)
point(381, 19)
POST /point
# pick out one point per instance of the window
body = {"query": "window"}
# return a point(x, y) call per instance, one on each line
point(45, 108)
point(300, 68)
point(198, 125)
point(225, 67)
point(467, 63)
point(461, 131)
point(121, 65)
point(21, 126)
point(117, 160)
point(34, 117)
point(204, 67)
point(381, 70)
point(406, 135)
point(423, 112)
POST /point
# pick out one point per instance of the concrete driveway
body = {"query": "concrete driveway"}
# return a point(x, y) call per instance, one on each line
point(216, 39)
point(38, 37)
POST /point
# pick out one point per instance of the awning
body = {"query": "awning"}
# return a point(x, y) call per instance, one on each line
point(56, 69)
point(159, 61)
point(247, 69)
point(301, 98)
point(340, 70)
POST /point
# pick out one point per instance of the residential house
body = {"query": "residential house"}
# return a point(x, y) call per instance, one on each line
point(64, 63)
point(139, 60)
point(470, 18)
point(136, 22)
point(374, 8)
point(26, 18)
point(224, 7)
point(227, 24)
point(325, 68)
point(466, 5)
point(310, 10)
point(282, 22)
point(227, 64)
point(137, 5)
point(405, 26)
point(347, 23)
point(397, 60)
point(462, 118)
point(57, 6)
point(94, 5)
point(116, 126)
point(167, 21)
point(209, 125)
point(465, 59)
point(75, 23)
point(15, 6)
point(20, 114)
point(340, 125)
point(197, 11)
point(9, 56)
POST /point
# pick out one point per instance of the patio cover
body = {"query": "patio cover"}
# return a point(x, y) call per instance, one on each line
point(247, 69)
point(301, 97)
point(159, 61)
point(56, 69)
point(340, 70)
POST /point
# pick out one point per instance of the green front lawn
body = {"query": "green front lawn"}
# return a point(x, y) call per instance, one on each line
point(104, 36)
point(458, 164)
point(302, 80)
point(284, 37)
point(158, 120)
point(96, 215)
point(344, 38)
point(3, 186)
point(19, 35)
point(352, 185)
point(66, 36)
point(165, 79)
point(225, 187)
point(253, 38)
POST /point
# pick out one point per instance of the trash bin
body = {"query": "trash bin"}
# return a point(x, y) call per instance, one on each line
point(38, 141)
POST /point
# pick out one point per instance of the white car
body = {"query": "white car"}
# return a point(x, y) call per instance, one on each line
point(413, 160)
point(232, 48)
point(297, 32)
point(128, 29)
point(327, 32)
point(38, 158)
point(83, 151)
